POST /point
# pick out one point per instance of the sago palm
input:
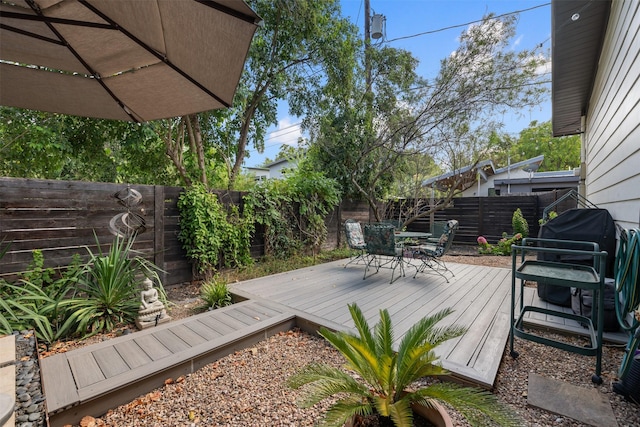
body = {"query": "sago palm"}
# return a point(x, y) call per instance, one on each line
point(384, 376)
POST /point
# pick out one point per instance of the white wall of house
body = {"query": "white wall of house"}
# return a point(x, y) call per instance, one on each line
point(612, 131)
point(276, 168)
point(489, 183)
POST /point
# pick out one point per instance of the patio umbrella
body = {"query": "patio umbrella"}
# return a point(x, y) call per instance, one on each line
point(133, 60)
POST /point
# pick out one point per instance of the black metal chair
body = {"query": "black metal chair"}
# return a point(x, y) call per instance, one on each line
point(431, 254)
point(355, 241)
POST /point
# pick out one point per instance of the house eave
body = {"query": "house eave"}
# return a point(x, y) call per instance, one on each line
point(576, 47)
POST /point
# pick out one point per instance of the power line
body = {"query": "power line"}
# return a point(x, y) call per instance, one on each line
point(466, 24)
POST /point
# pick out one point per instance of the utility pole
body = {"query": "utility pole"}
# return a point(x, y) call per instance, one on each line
point(367, 46)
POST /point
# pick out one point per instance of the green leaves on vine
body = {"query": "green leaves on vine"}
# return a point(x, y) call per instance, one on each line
point(212, 235)
point(293, 211)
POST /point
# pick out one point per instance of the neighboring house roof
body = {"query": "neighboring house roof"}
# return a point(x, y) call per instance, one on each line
point(276, 163)
point(486, 168)
point(553, 177)
point(577, 45)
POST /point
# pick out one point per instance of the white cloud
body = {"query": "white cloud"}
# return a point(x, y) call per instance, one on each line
point(287, 133)
point(517, 41)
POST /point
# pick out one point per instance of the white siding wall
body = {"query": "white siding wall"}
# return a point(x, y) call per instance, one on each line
point(485, 185)
point(612, 138)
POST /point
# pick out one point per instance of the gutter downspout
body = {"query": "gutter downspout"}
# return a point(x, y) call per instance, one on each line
point(582, 184)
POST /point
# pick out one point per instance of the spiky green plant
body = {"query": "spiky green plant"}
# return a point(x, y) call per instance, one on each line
point(215, 293)
point(109, 294)
point(384, 376)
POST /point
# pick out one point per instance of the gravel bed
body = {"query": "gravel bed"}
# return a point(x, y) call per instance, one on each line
point(248, 387)
point(29, 407)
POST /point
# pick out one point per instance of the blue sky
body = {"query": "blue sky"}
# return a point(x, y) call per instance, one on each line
point(406, 19)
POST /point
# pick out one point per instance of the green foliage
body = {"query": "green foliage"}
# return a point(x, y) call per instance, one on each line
point(34, 303)
point(293, 211)
point(551, 215)
point(560, 153)
point(519, 223)
point(384, 375)
point(215, 293)
point(211, 235)
point(36, 273)
point(502, 247)
point(109, 294)
point(54, 146)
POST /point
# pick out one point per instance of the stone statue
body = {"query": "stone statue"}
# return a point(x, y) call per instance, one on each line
point(152, 311)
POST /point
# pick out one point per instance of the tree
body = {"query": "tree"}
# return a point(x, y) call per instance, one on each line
point(449, 118)
point(559, 153)
point(54, 146)
point(302, 49)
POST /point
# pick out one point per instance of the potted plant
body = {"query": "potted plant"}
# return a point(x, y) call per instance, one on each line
point(380, 385)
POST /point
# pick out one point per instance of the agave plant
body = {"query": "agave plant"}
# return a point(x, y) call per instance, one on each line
point(109, 293)
point(382, 384)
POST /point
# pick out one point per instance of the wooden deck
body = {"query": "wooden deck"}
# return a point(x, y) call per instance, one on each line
point(98, 377)
point(479, 296)
point(93, 379)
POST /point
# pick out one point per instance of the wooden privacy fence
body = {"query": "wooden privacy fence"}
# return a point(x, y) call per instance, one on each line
point(492, 216)
point(63, 218)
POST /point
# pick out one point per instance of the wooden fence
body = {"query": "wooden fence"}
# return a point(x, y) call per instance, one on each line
point(63, 218)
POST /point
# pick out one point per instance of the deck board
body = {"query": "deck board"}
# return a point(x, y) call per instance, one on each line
point(132, 354)
point(203, 330)
point(56, 374)
point(152, 347)
point(85, 369)
point(110, 362)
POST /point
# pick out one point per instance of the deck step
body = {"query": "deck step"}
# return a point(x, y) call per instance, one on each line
point(96, 378)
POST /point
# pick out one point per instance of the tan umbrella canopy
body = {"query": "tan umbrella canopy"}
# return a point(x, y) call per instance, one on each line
point(134, 60)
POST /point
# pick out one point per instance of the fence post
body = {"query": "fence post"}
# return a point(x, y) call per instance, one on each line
point(158, 230)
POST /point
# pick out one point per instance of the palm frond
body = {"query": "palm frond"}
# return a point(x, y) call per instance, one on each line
point(362, 326)
point(341, 411)
point(478, 406)
point(384, 334)
point(323, 381)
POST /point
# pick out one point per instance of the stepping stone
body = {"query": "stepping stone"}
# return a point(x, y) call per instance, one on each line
point(582, 404)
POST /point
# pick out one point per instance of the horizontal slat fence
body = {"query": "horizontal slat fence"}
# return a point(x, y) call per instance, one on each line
point(63, 218)
point(491, 216)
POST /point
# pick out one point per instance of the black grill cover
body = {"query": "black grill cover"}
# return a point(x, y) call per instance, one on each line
point(585, 225)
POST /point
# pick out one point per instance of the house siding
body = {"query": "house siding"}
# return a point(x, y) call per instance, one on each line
point(612, 132)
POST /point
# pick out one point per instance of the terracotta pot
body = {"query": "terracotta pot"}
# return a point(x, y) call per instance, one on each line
point(438, 415)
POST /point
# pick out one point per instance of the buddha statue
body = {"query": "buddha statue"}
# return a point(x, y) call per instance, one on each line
point(151, 311)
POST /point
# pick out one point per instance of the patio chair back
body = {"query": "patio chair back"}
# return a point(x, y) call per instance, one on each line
point(353, 232)
point(446, 238)
point(380, 239)
point(397, 224)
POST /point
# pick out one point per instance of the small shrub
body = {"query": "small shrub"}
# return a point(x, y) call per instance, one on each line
point(519, 224)
point(109, 294)
point(502, 247)
point(550, 216)
point(215, 293)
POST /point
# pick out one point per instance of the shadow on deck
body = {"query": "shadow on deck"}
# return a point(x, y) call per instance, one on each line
point(93, 379)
